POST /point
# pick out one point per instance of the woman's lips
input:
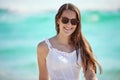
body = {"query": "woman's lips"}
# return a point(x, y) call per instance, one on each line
point(67, 28)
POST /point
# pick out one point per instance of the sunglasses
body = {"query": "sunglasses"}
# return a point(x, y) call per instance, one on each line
point(65, 20)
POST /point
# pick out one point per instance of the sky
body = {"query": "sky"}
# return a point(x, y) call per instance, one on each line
point(43, 5)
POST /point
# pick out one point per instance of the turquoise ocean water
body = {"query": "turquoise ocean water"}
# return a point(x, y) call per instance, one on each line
point(20, 34)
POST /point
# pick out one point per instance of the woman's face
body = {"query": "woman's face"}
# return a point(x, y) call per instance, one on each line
point(67, 22)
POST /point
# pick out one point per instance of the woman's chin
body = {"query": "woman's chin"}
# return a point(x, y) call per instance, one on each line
point(67, 33)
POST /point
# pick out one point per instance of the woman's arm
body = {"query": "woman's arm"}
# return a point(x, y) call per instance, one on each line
point(90, 74)
point(41, 55)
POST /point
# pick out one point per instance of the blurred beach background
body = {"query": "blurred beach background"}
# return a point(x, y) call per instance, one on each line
point(24, 23)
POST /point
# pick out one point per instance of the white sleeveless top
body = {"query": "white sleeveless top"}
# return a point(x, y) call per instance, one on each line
point(62, 65)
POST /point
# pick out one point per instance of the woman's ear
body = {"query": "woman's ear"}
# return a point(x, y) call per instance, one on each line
point(58, 21)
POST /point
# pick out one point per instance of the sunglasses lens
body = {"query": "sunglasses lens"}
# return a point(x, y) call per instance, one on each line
point(65, 20)
point(74, 21)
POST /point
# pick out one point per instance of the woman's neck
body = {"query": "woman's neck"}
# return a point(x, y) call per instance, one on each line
point(63, 39)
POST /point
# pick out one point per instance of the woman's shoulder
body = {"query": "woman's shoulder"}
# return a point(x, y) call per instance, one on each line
point(41, 45)
point(42, 48)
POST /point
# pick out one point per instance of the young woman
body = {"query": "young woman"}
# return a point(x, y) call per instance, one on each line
point(62, 56)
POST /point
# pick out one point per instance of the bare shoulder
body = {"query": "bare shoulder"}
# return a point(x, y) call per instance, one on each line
point(42, 45)
point(42, 49)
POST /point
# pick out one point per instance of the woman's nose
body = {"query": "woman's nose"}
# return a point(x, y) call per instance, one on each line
point(69, 23)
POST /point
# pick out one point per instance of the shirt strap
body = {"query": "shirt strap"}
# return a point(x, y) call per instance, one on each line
point(48, 44)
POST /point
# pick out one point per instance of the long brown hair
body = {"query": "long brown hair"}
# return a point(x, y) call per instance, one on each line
point(78, 39)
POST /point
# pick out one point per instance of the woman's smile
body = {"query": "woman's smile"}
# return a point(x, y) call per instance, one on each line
point(67, 28)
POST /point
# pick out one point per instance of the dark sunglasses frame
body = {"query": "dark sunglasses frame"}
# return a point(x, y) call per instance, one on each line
point(66, 20)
